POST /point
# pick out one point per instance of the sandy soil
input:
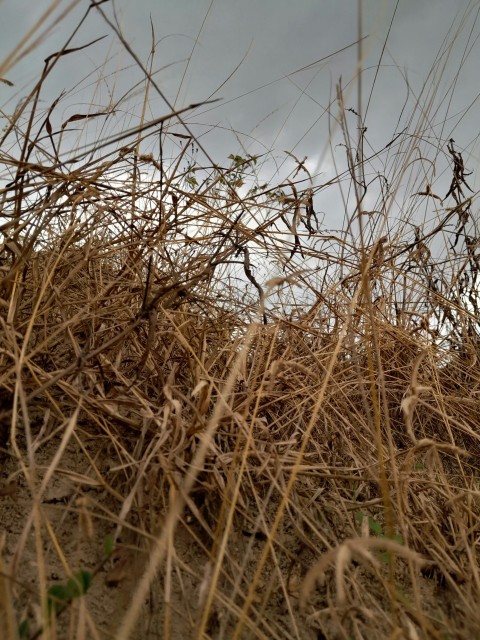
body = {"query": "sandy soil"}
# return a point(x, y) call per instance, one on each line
point(79, 512)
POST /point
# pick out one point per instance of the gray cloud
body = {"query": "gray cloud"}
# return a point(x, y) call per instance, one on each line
point(200, 43)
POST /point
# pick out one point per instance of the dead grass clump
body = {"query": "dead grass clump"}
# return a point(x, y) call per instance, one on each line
point(191, 447)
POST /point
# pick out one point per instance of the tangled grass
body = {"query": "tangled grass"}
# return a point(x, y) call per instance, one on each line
point(191, 449)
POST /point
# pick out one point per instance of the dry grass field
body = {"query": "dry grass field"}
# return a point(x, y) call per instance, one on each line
point(190, 449)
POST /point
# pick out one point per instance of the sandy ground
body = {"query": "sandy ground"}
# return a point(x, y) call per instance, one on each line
point(79, 512)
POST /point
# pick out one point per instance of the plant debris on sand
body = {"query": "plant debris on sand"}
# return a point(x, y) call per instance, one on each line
point(192, 448)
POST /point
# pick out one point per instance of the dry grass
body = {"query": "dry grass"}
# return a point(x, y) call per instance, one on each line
point(193, 450)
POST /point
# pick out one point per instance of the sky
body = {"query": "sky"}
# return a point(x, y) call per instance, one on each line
point(274, 65)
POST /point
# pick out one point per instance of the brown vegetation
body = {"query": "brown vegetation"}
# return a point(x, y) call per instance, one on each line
point(192, 450)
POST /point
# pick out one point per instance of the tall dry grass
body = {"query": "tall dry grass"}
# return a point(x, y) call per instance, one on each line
point(194, 448)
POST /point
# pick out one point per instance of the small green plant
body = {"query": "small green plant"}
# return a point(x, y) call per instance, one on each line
point(377, 530)
point(61, 595)
point(108, 546)
point(23, 628)
point(191, 181)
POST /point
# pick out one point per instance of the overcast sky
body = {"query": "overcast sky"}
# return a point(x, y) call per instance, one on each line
point(268, 101)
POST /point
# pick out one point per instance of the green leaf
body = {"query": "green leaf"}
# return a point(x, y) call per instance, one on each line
point(60, 595)
point(237, 159)
point(359, 516)
point(108, 545)
point(57, 597)
point(23, 630)
point(79, 584)
point(374, 526)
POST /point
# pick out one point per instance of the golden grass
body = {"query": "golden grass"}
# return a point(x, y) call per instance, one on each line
point(190, 451)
